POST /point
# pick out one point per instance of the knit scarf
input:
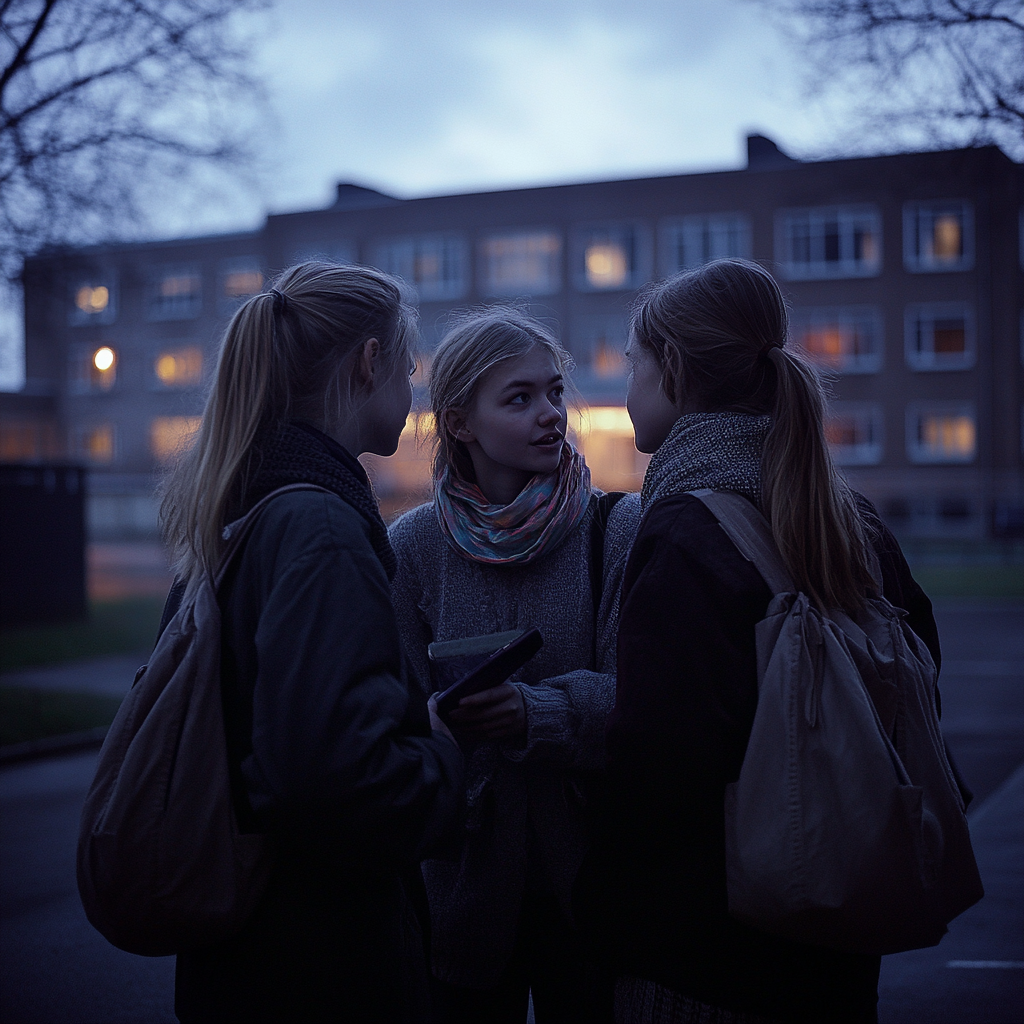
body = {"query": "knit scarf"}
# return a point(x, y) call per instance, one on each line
point(299, 453)
point(718, 450)
point(543, 514)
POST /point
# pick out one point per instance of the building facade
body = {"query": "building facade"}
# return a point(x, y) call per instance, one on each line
point(905, 275)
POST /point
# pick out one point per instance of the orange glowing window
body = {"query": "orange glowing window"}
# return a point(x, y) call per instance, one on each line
point(947, 238)
point(241, 282)
point(168, 435)
point(606, 265)
point(949, 436)
point(522, 264)
point(180, 367)
point(846, 339)
point(938, 236)
point(940, 336)
point(95, 444)
point(608, 359)
point(91, 300)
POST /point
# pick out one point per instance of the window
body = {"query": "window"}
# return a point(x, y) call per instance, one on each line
point(175, 293)
point(692, 241)
point(238, 280)
point(92, 369)
point(605, 436)
point(611, 257)
point(939, 336)
point(598, 343)
point(847, 339)
point(854, 433)
point(93, 300)
point(837, 241)
point(169, 434)
point(94, 444)
point(178, 367)
point(336, 251)
point(435, 265)
point(526, 263)
point(941, 432)
point(938, 236)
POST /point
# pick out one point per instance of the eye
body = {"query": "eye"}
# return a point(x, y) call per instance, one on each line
point(520, 398)
point(557, 392)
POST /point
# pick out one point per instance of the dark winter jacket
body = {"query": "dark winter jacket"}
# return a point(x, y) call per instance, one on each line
point(652, 894)
point(332, 754)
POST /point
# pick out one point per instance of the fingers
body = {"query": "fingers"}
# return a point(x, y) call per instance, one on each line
point(495, 695)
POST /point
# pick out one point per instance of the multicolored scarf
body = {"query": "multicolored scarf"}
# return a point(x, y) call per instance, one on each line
point(543, 514)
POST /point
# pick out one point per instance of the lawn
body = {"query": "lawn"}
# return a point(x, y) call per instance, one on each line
point(113, 627)
point(29, 714)
point(971, 580)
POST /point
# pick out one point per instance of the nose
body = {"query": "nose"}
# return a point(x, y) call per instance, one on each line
point(548, 413)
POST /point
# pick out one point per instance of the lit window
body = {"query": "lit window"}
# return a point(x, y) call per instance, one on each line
point(939, 336)
point(605, 436)
point(168, 435)
point(239, 279)
point(693, 241)
point(179, 367)
point(435, 265)
point(611, 258)
point(598, 343)
point(938, 236)
point(92, 369)
point(843, 339)
point(175, 293)
point(521, 264)
point(94, 444)
point(854, 433)
point(93, 301)
point(830, 242)
point(941, 432)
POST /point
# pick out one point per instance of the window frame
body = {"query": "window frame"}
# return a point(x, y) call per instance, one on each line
point(103, 278)
point(871, 453)
point(583, 234)
point(808, 315)
point(817, 216)
point(672, 231)
point(159, 274)
point(169, 347)
point(932, 362)
point(554, 285)
point(919, 456)
point(233, 265)
point(912, 258)
point(387, 256)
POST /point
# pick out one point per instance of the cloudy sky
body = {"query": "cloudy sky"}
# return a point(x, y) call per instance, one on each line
point(419, 97)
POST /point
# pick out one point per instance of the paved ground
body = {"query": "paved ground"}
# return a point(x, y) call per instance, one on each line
point(56, 969)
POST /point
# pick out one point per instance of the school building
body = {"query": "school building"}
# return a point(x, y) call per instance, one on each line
point(905, 274)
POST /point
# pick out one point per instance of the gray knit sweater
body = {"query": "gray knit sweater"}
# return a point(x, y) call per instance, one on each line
point(526, 801)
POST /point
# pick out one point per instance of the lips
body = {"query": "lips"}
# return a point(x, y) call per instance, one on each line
point(548, 440)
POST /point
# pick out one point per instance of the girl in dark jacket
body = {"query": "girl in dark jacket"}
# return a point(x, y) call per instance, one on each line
point(332, 752)
point(723, 403)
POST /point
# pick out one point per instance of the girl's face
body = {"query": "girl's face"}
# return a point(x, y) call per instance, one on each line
point(515, 427)
point(384, 414)
point(653, 413)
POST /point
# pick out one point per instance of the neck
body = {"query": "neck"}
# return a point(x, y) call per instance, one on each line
point(501, 485)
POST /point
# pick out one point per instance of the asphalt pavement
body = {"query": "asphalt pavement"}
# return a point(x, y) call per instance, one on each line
point(55, 969)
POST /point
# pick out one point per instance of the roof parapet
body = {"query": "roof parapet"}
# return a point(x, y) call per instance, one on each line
point(763, 153)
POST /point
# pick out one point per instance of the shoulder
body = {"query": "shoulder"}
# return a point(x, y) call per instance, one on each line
point(625, 517)
point(414, 526)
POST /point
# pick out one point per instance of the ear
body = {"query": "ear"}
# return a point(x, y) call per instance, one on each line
point(366, 365)
point(455, 424)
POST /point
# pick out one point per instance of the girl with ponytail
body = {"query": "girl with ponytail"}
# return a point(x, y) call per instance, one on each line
point(331, 751)
point(722, 402)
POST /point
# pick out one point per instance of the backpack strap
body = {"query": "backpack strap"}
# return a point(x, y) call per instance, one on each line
point(748, 529)
point(236, 533)
point(603, 505)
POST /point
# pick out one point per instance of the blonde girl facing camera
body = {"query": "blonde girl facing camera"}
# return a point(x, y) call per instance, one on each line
point(513, 539)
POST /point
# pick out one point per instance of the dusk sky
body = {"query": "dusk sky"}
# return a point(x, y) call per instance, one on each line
point(418, 98)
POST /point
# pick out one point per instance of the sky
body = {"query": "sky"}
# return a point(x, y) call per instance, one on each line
point(426, 97)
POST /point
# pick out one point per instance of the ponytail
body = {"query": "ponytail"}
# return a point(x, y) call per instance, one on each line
point(719, 334)
point(281, 359)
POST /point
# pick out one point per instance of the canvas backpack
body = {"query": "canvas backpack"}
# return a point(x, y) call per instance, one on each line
point(841, 831)
point(162, 865)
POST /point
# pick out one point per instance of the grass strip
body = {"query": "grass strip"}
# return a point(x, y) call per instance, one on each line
point(971, 580)
point(30, 714)
point(113, 627)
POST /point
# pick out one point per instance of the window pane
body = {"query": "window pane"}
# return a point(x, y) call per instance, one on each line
point(949, 337)
point(179, 367)
point(95, 444)
point(607, 258)
point(830, 242)
point(175, 294)
point(692, 241)
point(526, 264)
point(93, 300)
point(840, 338)
point(938, 236)
point(607, 264)
point(942, 432)
point(169, 434)
point(940, 336)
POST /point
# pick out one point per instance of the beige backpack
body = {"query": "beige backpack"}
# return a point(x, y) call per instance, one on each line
point(839, 832)
point(162, 865)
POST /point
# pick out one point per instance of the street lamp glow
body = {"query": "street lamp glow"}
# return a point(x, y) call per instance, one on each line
point(103, 359)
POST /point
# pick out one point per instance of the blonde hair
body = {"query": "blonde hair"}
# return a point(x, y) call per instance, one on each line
point(480, 340)
point(719, 334)
point(281, 359)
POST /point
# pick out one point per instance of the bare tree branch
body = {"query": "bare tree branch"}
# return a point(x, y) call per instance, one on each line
point(104, 102)
point(925, 71)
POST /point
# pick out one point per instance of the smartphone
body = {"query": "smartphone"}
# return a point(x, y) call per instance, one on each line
point(492, 672)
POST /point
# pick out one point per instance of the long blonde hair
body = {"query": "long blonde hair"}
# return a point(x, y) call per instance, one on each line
point(719, 334)
point(478, 341)
point(281, 359)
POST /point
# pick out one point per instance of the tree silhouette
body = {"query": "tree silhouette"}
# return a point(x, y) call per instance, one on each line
point(103, 102)
point(923, 71)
